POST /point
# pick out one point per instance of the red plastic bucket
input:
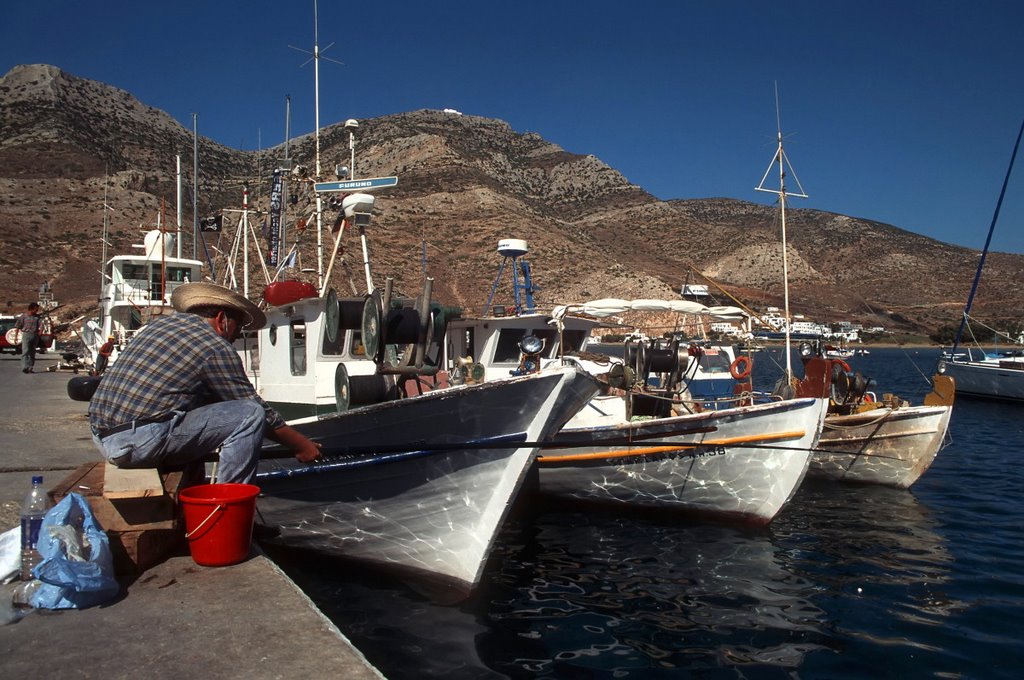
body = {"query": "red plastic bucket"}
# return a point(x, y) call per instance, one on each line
point(218, 522)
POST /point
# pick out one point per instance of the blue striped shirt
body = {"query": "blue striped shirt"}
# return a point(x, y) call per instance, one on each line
point(175, 363)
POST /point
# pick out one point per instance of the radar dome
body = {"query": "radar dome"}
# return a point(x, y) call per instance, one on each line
point(512, 247)
point(154, 240)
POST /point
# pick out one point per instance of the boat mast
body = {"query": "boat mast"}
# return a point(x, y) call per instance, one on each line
point(316, 169)
point(195, 186)
point(106, 227)
point(783, 163)
point(319, 201)
point(988, 241)
point(177, 159)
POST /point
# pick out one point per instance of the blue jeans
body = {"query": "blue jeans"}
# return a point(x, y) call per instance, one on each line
point(28, 350)
point(234, 426)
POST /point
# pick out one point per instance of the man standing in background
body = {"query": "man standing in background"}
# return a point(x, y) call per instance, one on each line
point(28, 324)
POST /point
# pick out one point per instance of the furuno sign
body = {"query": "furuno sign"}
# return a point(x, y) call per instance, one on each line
point(368, 184)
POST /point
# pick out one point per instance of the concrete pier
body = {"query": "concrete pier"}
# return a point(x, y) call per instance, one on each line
point(176, 620)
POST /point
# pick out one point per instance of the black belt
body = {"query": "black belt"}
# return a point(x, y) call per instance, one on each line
point(134, 423)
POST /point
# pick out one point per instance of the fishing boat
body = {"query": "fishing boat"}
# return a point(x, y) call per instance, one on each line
point(416, 481)
point(420, 485)
point(643, 442)
point(899, 442)
point(982, 375)
point(883, 440)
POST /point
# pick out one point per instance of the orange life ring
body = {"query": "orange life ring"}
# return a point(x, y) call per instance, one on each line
point(740, 373)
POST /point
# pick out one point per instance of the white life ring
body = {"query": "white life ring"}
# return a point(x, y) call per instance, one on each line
point(13, 337)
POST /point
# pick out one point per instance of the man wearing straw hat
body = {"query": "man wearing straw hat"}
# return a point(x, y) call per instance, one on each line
point(178, 392)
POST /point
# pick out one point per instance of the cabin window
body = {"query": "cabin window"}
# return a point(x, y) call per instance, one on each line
point(714, 363)
point(134, 272)
point(358, 349)
point(574, 340)
point(178, 274)
point(297, 345)
point(336, 347)
point(507, 349)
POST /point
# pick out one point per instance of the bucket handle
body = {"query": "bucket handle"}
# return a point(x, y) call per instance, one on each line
point(213, 512)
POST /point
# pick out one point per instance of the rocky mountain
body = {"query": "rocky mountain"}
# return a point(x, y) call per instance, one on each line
point(465, 183)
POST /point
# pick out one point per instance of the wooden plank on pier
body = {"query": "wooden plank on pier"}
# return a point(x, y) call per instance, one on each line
point(121, 483)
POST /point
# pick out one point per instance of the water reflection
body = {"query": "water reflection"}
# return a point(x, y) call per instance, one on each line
point(573, 592)
point(629, 596)
point(847, 582)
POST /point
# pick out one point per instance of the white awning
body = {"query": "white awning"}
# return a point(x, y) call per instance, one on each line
point(609, 306)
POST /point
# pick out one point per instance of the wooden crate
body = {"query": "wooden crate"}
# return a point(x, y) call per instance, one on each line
point(140, 517)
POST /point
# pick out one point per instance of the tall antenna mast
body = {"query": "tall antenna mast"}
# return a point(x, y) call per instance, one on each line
point(783, 163)
point(195, 186)
point(316, 100)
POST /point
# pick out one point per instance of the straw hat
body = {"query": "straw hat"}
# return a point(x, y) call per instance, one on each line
point(188, 296)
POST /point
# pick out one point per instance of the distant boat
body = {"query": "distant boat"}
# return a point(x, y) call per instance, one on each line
point(838, 352)
point(136, 288)
point(986, 376)
point(997, 377)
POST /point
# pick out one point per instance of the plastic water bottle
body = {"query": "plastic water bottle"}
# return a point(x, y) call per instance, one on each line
point(32, 512)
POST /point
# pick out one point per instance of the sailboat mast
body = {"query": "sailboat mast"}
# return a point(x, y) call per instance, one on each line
point(988, 241)
point(785, 261)
point(783, 162)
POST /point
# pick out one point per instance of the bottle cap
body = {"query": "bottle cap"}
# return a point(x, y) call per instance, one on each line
point(37, 479)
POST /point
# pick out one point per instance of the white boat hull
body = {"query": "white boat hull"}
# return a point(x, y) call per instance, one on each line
point(891, 447)
point(420, 484)
point(988, 379)
point(740, 463)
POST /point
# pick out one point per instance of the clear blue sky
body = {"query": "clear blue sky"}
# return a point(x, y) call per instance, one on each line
point(901, 112)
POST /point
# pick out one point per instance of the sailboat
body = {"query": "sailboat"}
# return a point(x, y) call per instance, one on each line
point(996, 376)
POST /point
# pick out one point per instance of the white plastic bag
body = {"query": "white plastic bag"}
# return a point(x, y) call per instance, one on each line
point(10, 554)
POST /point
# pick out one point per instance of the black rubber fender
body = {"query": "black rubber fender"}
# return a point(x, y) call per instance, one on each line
point(82, 387)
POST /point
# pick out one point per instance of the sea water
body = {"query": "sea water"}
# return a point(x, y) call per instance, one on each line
point(847, 582)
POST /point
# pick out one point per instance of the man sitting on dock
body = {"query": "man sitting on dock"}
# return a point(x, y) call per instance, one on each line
point(178, 392)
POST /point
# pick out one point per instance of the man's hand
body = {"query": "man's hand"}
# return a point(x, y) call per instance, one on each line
point(306, 450)
point(308, 454)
